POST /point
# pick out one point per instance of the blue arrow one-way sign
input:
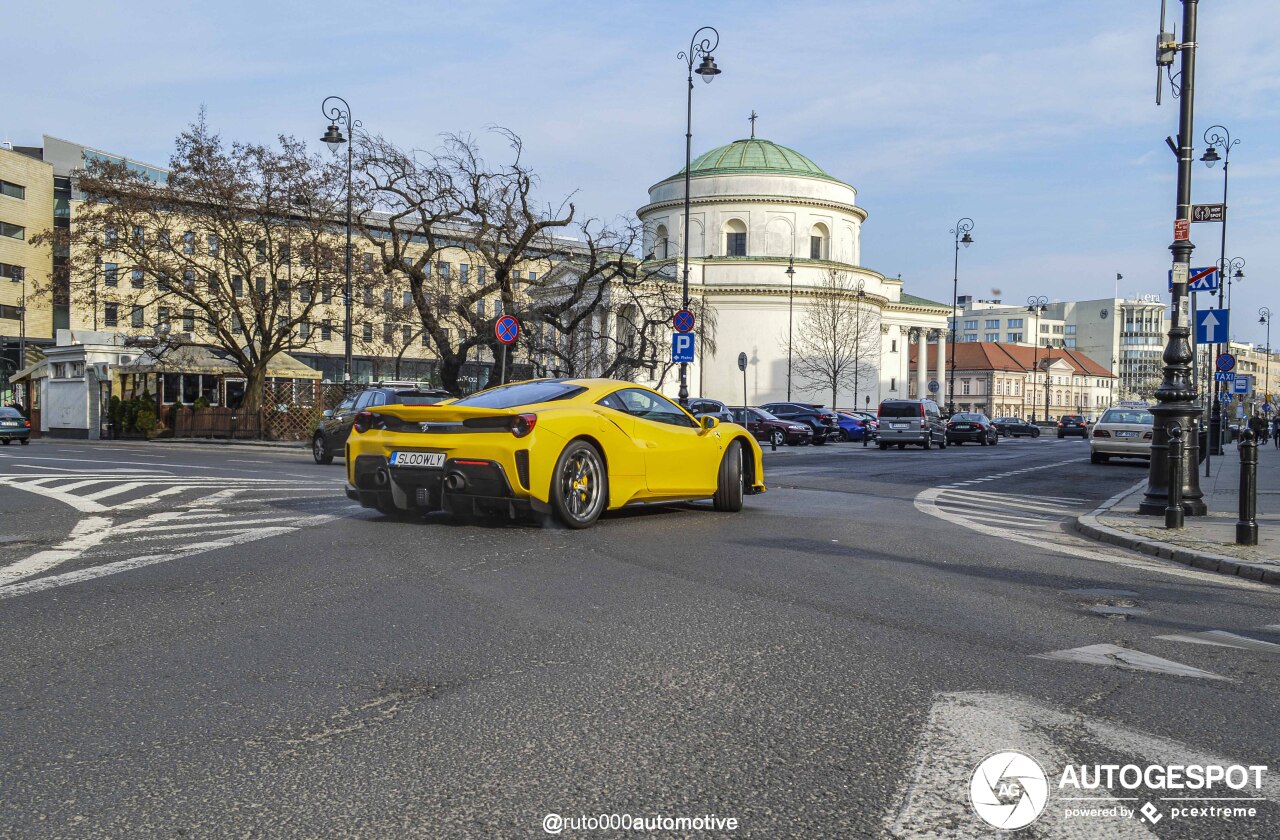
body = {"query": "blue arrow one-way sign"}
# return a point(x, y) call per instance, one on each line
point(1212, 326)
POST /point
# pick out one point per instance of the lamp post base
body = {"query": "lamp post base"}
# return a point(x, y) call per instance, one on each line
point(1156, 499)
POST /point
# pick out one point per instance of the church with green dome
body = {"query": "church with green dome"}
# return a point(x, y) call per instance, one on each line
point(773, 239)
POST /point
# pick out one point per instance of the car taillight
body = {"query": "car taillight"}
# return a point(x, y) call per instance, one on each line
point(1059, 422)
point(522, 424)
point(1146, 436)
point(1101, 433)
point(364, 422)
point(26, 424)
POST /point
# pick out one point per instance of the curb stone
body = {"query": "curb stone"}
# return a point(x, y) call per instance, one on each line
point(1088, 525)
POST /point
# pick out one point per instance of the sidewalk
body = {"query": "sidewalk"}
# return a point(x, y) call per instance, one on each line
point(1207, 542)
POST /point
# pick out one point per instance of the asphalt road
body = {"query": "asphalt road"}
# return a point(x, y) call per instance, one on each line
point(208, 641)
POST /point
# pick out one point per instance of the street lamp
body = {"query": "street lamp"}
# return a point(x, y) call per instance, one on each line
point(961, 234)
point(1048, 364)
point(1037, 304)
point(708, 70)
point(1264, 317)
point(791, 295)
point(857, 345)
point(341, 114)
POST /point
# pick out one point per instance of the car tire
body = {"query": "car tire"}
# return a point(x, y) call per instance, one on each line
point(902, 446)
point(579, 485)
point(819, 440)
point(943, 444)
point(844, 436)
point(984, 441)
point(1036, 433)
point(884, 447)
point(319, 451)
point(995, 441)
point(24, 441)
point(1061, 435)
point(6, 441)
point(928, 443)
point(729, 485)
point(778, 438)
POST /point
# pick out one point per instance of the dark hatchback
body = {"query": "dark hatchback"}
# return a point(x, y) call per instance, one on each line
point(972, 427)
point(765, 426)
point(13, 426)
point(1015, 427)
point(331, 436)
point(1073, 424)
point(824, 422)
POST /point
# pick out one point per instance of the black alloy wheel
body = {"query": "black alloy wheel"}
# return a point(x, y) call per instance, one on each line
point(579, 486)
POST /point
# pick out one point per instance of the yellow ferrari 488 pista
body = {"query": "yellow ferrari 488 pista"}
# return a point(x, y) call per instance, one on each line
point(572, 447)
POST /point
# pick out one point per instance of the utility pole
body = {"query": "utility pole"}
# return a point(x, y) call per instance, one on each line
point(1176, 394)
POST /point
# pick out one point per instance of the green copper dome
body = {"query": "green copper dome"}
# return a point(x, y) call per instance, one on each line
point(754, 156)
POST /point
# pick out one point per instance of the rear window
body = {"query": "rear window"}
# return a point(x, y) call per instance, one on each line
point(10, 412)
point(521, 393)
point(415, 398)
point(900, 409)
point(1129, 415)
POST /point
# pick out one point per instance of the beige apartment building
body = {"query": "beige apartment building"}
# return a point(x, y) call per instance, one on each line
point(26, 210)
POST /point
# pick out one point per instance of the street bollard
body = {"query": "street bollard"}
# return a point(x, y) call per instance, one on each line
point(1247, 525)
point(1173, 514)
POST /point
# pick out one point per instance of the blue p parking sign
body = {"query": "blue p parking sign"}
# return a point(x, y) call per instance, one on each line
point(682, 347)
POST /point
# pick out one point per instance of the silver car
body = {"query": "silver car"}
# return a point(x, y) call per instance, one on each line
point(915, 422)
point(1122, 432)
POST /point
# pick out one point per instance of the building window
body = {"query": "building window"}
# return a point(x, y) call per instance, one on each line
point(407, 300)
point(304, 330)
point(406, 335)
point(326, 294)
point(964, 386)
point(110, 274)
point(464, 273)
point(426, 339)
point(139, 237)
point(993, 337)
point(387, 295)
point(388, 332)
point(237, 285)
point(482, 273)
point(367, 332)
point(11, 272)
point(188, 243)
point(1015, 323)
point(214, 244)
point(13, 190)
point(109, 314)
point(261, 247)
point(326, 330)
point(162, 316)
point(189, 279)
point(13, 231)
point(480, 307)
point(138, 317)
point(661, 245)
point(304, 292)
point(260, 284)
point(136, 278)
point(444, 271)
point(893, 383)
point(992, 324)
point(533, 277)
point(188, 320)
point(237, 324)
point(162, 281)
point(735, 239)
point(893, 345)
point(1070, 329)
point(368, 296)
point(971, 324)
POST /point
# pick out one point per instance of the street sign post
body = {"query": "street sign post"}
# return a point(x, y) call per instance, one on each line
point(1181, 230)
point(1208, 212)
point(1224, 376)
point(742, 366)
point(1204, 279)
point(1242, 384)
point(1225, 362)
point(1212, 326)
point(507, 330)
point(682, 347)
point(933, 386)
point(683, 321)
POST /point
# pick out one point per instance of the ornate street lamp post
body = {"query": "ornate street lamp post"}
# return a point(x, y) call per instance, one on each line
point(708, 70)
point(791, 295)
point(961, 234)
point(1176, 413)
point(857, 347)
point(341, 114)
point(1037, 304)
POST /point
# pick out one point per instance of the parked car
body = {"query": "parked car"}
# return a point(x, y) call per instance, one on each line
point(855, 426)
point(915, 422)
point(824, 422)
point(1122, 433)
point(1072, 424)
point(765, 426)
point(971, 426)
point(335, 426)
point(703, 407)
point(1015, 427)
point(13, 426)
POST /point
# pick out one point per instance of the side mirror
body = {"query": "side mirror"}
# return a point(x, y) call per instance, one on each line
point(708, 422)
point(328, 414)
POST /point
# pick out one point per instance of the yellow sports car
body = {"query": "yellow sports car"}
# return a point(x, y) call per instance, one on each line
point(573, 447)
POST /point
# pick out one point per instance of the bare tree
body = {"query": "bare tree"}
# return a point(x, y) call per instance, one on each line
point(235, 248)
point(837, 340)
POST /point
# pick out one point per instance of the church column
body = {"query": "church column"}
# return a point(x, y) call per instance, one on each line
point(943, 381)
point(922, 362)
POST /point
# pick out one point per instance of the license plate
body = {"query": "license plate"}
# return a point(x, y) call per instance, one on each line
point(1126, 434)
point(417, 459)
point(10, 423)
point(899, 425)
point(964, 428)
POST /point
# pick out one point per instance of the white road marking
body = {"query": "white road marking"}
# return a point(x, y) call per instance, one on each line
point(87, 533)
point(1127, 658)
point(1221, 638)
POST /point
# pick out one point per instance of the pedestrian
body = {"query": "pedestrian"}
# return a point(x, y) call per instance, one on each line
point(1259, 428)
point(1275, 430)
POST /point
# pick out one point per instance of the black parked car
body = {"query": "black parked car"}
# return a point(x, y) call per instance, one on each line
point(824, 422)
point(764, 426)
point(331, 437)
point(971, 426)
point(1073, 424)
point(1015, 427)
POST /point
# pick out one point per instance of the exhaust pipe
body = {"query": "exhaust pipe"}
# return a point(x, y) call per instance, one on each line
point(381, 478)
point(455, 481)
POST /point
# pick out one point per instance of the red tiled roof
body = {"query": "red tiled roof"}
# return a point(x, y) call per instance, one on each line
point(991, 355)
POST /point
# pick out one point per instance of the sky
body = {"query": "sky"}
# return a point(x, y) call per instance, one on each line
point(1035, 119)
